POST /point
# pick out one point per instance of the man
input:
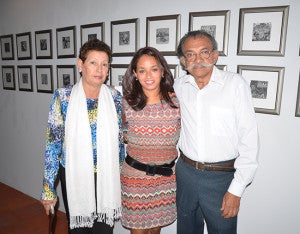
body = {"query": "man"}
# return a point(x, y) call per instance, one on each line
point(218, 141)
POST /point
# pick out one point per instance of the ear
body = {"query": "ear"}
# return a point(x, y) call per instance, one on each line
point(134, 73)
point(79, 64)
point(215, 56)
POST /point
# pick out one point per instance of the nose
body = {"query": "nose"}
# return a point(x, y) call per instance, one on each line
point(198, 57)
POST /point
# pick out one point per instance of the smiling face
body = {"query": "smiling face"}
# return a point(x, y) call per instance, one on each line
point(149, 73)
point(94, 69)
point(200, 64)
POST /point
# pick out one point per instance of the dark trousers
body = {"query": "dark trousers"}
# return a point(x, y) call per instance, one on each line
point(98, 227)
point(199, 200)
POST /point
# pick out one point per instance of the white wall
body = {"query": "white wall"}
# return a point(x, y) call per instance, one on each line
point(270, 205)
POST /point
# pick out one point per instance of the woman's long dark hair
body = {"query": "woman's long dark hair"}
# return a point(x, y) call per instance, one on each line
point(132, 89)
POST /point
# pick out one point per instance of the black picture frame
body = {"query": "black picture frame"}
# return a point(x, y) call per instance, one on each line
point(66, 75)
point(89, 31)
point(66, 42)
point(43, 44)
point(25, 78)
point(8, 77)
point(24, 47)
point(7, 47)
point(44, 78)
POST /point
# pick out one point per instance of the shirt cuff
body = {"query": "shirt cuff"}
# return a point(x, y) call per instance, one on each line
point(236, 189)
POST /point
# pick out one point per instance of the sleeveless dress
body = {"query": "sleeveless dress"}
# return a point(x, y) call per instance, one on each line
point(152, 135)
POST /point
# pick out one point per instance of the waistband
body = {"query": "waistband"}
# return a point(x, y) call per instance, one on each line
point(151, 169)
point(227, 166)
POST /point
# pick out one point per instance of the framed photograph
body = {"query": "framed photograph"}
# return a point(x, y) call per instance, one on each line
point(222, 67)
point(174, 69)
point(124, 37)
point(66, 42)
point(262, 31)
point(43, 44)
point(44, 79)
point(66, 75)
point(216, 23)
point(91, 31)
point(163, 33)
point(25, 78)
point(266, 85)
point(24, 45)
point(7, 47)
point(297, 113)
point(117, 72)
point(8, 77)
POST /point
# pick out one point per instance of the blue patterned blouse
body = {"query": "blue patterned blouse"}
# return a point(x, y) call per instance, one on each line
point(55, 147)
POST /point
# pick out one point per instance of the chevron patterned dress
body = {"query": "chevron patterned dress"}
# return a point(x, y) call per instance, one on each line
point(152, 135)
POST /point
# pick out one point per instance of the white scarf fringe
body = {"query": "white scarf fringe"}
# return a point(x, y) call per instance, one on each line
point(79, 161)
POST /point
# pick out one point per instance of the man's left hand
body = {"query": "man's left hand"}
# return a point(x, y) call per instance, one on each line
point(230, 205)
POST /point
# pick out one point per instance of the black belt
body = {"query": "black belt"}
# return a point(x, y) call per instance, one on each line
point(151, 169)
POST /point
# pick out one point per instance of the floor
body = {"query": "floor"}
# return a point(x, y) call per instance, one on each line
point(22, 214)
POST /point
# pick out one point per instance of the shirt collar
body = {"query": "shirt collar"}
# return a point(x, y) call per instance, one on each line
point(216, 77)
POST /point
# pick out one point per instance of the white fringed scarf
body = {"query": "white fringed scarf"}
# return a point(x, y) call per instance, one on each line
point(79, 161)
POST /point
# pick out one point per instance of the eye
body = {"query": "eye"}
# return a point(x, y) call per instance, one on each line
point(189, 55)
point(106, 65)
point(141, 71)
point(205, 52)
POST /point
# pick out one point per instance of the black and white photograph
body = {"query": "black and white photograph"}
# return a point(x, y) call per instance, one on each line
point(43, 44)
point(163, 32)
point(259, 89)
point(92, 31)
point(216, 23)
point(162, 36)
point(117, 72)
point(65, 75)
point(8, 77)
point(24, 45)
point(124, 37)
point(44, 78)
point(66, 42)
point(266, 84)
point(7, 47)
point(262, 31)
point(25, 78)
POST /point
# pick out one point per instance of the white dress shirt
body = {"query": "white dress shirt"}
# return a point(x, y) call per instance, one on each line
point(218, 124)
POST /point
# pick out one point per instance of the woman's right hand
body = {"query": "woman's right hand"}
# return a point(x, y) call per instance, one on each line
point(47, 204)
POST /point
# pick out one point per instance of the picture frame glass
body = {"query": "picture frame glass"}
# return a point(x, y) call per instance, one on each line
point(66, 47)
point(263, 31)
point(65, 75)
point(117, 74)
point(263, 87)
point(25, 78)
point(7, 49)
point(43, 44)
point(8, 77)
point(124, 38)
point(44, 79)
point(92, 31)
point(163, 35)
point(23, 46)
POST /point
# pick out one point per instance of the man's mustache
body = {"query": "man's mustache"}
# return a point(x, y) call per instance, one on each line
point(195, 65)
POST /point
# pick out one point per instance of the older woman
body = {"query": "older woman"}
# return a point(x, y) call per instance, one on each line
point(151, 125)
point(83, 144)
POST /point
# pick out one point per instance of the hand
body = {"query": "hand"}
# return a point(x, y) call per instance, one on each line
point(230, 205)
point(47, 204)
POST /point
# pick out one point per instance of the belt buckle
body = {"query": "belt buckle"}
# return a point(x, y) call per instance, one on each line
point(150, 170)
point(202, 167)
